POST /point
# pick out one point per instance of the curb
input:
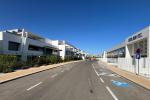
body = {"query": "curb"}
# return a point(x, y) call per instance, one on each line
point(126, 77)
point(1, 82)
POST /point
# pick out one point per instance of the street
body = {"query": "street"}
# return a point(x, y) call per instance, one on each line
point(85, 80)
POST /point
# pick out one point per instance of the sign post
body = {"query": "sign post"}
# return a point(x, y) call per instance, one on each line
point(138, 56)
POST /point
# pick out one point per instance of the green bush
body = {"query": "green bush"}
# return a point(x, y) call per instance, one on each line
point(7, 63)
point(59, 59)
point(53, 59)
point(70, 58)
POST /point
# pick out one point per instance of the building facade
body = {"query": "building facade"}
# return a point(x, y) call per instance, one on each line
point(68, 50)
point(27, 45)
point(124, 56)
point(127, 49)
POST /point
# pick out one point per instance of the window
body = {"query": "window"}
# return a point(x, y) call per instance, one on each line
point(14, 46)
point(35, 48)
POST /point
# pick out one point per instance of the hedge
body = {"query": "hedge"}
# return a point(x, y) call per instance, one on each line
point(9, 63)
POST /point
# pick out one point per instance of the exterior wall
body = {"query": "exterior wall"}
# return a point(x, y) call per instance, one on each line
point(148, 44)
point(63, 51)
point(138, 36)
point(25, 38)
point(1, 42)
point(24, 41)
point(10, 37)
point(66, 47)
point(130, 63)
point(61, 48)
point(129, 44)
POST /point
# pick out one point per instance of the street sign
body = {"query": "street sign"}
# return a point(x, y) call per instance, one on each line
point(138, 53)
point(138, 56)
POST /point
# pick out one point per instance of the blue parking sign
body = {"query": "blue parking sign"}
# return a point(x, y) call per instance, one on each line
point(138, 53)
point(138, 56)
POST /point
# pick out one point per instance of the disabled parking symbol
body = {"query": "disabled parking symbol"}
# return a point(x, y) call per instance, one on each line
point(121, 84)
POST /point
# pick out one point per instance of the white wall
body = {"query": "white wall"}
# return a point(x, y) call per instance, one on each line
point(144, 35)
point(131, 65)
point(10, 37)
point(1, 44)
point(63, 51)
point(24, 43)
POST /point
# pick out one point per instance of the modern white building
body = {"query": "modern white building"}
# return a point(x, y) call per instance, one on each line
point(26, 45)
point(127, 49)
point(68, 50)
point(124, 55)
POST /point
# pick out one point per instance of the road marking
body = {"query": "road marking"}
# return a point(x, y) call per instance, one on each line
point(34, 86)
point(114, 75)
point(89, 82)
point(113, 95)
point(103, 73)
point(121, 84)
point(102, 80)
point(95, 70)
point(53, 75)
point(62, 71)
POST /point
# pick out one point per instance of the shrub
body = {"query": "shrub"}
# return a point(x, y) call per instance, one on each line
point(7, 63)
point(59, 59)
point(53, 59)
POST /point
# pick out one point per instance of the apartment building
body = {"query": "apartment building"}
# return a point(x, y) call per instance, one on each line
point(68, 50)
point(25, 44)
point(28, 45)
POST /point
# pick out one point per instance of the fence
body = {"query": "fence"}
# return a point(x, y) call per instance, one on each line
point(141, 67)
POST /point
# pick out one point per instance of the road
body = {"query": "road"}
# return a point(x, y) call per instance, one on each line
point(86, 80)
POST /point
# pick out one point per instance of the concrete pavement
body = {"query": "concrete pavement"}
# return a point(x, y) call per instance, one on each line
point(122, 88)
point(85, 80)
point(143, 81)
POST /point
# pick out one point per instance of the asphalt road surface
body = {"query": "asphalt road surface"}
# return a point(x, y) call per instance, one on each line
point(86, 80)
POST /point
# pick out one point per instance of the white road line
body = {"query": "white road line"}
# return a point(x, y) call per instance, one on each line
point(95, 70)
point(62, 71)
point(53, 75)
point(102, 80)
point(34, 86)
point(89, 82)
point(113, 95)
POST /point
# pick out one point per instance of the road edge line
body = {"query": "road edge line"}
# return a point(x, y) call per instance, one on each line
point(112, 94)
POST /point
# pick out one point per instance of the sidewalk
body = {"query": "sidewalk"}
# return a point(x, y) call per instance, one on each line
point(21, 73)
point(142, 81)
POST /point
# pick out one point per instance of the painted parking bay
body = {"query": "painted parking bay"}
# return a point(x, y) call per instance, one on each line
point(121, 84)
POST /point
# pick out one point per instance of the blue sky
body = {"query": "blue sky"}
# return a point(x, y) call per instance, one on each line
point(92, 25)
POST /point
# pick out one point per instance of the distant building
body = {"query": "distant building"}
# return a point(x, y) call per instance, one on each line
point(68, 50)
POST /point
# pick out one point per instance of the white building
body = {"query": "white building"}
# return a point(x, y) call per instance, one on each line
point(25, 44)
point(68, 50)
point(124, 55)
point(127, 49)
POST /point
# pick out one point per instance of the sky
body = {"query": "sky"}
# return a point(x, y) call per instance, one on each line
point(91, 25)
